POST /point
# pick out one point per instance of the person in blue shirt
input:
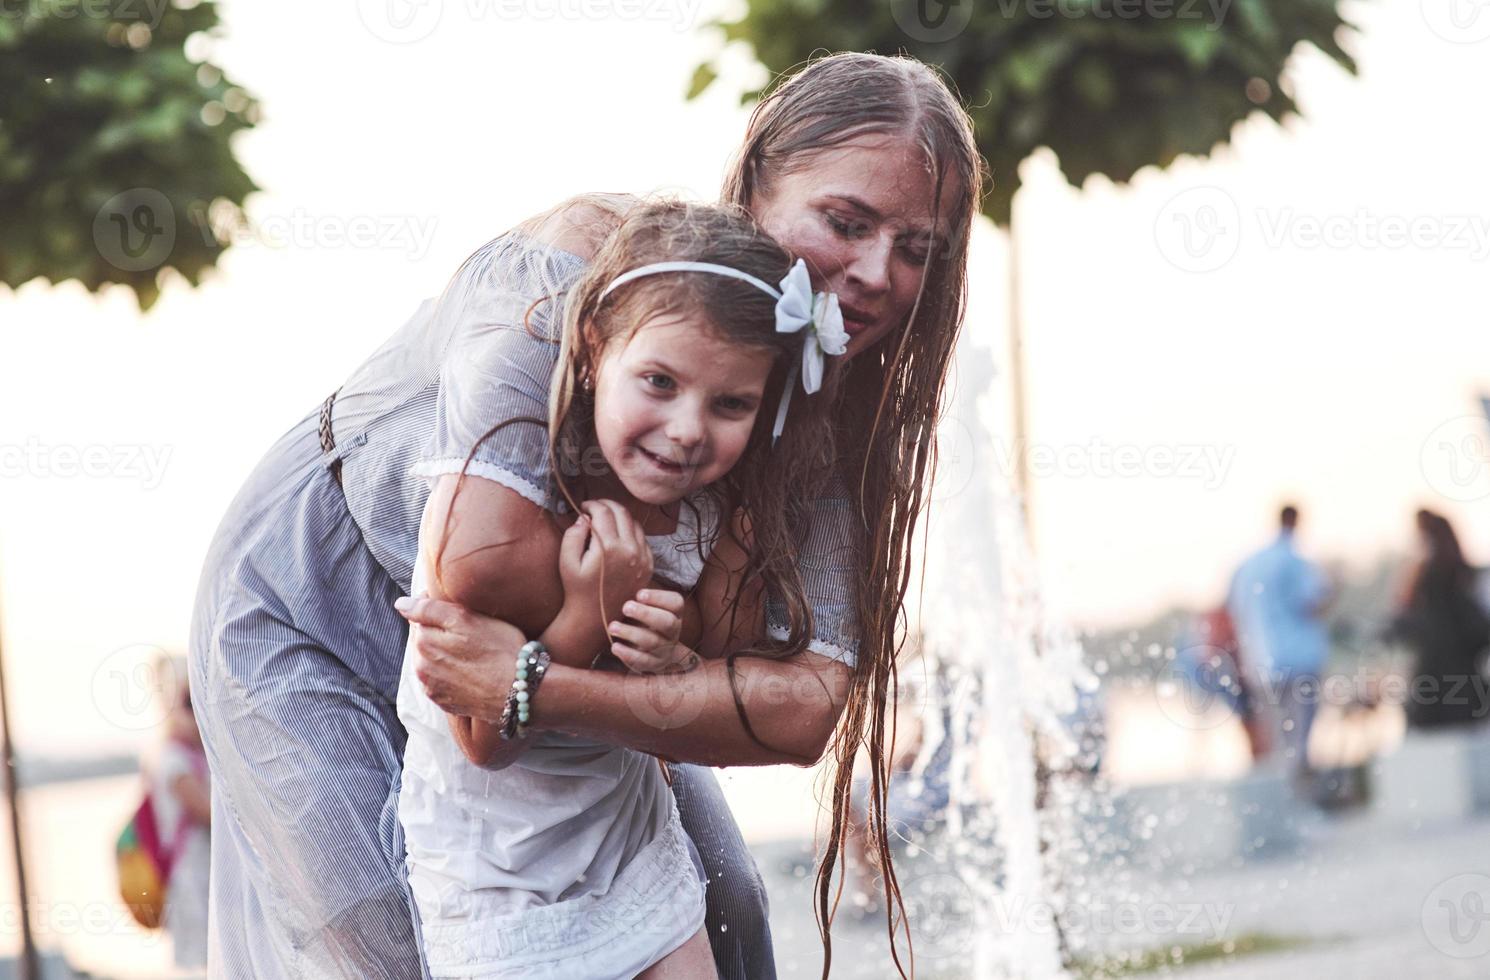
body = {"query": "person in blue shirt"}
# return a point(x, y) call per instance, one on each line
point(1277, 600)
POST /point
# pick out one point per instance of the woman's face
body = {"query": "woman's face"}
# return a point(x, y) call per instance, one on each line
point(860, 215)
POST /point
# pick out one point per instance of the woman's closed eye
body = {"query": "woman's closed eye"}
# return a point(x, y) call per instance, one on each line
point(847, 227)
point(916, 250)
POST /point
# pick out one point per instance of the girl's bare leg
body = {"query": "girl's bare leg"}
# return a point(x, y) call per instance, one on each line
point(690, 961)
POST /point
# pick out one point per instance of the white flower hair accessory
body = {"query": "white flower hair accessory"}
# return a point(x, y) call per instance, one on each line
point(800, 307)
point(797, 306)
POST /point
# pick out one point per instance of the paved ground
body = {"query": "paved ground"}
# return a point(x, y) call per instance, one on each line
point(1358, 899)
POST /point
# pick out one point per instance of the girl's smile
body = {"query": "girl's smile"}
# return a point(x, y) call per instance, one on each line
point(675, 404)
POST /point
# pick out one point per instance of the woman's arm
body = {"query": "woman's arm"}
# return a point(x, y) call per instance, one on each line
point(792, 706)
point(464, 659)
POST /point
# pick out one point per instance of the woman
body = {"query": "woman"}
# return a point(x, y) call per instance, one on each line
point(866, 167)
point(1439, 616)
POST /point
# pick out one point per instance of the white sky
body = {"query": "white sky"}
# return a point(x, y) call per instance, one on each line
point(1320, 372)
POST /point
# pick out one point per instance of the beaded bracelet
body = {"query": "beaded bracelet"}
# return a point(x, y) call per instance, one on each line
point(532, 664)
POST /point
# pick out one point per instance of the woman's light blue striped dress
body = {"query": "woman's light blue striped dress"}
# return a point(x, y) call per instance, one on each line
point(296, 649)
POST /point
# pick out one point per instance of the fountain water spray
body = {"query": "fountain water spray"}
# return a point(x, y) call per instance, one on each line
point(1004, 680)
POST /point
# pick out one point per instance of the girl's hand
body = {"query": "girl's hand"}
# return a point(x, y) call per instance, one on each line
point(605, 549)
point(649, 644)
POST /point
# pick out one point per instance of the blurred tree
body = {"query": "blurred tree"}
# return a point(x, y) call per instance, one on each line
point(1111, 86)
point(115, 144)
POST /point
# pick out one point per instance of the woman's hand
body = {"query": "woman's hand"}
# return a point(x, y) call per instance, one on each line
point(463, 659)
point(649, 643)
point(603, 561)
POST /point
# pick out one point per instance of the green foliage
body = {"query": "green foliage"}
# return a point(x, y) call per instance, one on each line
point(114, 145)
point(1109, 85)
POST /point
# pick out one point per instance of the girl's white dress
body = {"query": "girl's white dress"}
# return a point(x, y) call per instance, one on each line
point(185, 914)
point(569, 864)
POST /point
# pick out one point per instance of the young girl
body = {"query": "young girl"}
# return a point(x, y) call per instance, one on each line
point(184, 814)
point(680, 349)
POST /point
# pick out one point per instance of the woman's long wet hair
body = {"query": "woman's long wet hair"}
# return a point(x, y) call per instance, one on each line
point(887, 405)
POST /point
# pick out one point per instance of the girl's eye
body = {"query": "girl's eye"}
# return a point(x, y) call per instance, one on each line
point(734, 404)
point(660, 381)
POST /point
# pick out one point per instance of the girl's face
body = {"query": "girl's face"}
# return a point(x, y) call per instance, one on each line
point(675, 404)
point(860, 215)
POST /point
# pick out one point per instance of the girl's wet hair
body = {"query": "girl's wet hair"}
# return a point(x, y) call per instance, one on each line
point(770, 482)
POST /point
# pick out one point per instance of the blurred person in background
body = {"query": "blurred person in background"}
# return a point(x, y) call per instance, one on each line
point(1277, 601)
point(1211, 659)
point(1440, 618)
point(184, 814)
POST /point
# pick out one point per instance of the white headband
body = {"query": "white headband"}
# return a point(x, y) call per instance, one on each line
point(797, 306)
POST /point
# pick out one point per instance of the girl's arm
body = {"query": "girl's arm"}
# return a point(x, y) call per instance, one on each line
point(603, 559)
